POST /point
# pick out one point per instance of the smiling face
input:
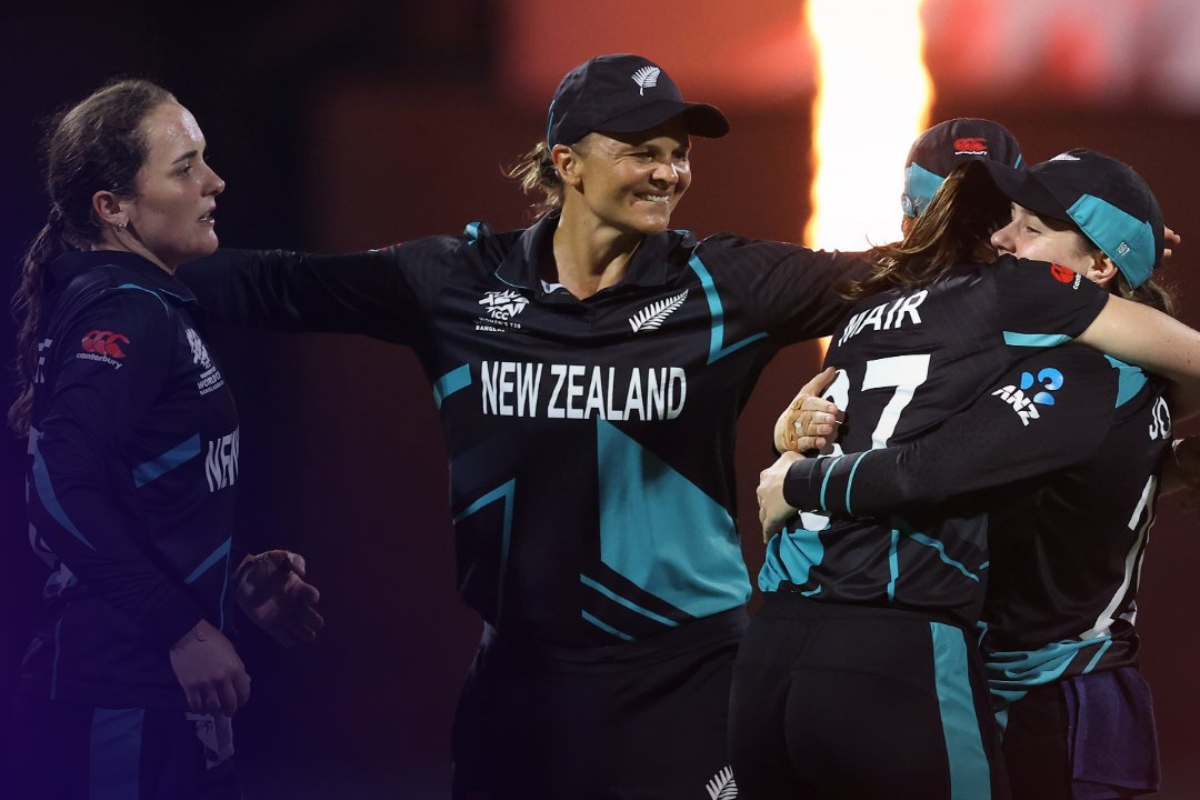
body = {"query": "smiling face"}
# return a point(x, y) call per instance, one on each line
point(171, 217)
point(1033, 237)
point(632, 182)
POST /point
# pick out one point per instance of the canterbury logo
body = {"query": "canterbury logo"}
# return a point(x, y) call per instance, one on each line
point(646, 78)
point(651, 317)
point(1065, 157)
point(971, 144)
point(104, 343)
point(722, 786)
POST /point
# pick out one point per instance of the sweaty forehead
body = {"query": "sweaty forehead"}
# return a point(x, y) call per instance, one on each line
point(171, 130)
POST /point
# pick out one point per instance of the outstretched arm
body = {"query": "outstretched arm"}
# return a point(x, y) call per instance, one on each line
point(378, 293)
point(1155, 341)
point(1019, 428)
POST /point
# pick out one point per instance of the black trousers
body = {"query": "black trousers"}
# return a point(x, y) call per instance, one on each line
point(832, 702)
point(68, 751)
point(639, 721)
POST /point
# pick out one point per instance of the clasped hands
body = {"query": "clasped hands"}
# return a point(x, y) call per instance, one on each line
point(810, 422)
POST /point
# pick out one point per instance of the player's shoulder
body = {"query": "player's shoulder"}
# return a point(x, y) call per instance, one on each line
point(1080, 360)
point(1009, 269)
point(112, 289)
point(731, 251)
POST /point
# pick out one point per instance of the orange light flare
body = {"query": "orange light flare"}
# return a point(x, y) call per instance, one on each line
point(874, 96)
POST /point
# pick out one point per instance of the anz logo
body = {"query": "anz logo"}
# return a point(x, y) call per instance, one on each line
point(1026, 398)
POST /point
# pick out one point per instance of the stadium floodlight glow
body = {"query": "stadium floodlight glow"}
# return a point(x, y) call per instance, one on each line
point(873, 97)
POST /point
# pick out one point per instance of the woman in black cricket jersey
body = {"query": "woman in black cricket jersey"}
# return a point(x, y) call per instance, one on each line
point(870, 620)
point(601, 345)
point(1065, 548)
point(130, 682)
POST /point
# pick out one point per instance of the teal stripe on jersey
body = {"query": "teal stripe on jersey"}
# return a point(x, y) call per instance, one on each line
point(825, 481)
point(153, 294)
point(114, 753)
point(921, 538)
point(45, 489)
point(606, 627)
point(716, 346)
point(632, 606)
point(453, 381)
point(970, 772)
point(1130, 380)
point(1016, 671)
point(1035, 339)
point(1099, 654)
point(893, 565)
point(505, 492)
point(207, 563)
point(792, 553)
point(850, 481)
point(646, 506)
point(218, 554)
point(177, 456)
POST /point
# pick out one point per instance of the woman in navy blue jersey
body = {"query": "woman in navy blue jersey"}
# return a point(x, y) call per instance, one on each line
point(130, 682)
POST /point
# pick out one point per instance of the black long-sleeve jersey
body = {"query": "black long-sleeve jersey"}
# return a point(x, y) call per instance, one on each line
point(1072, 441)
point(133, 460)
point(591, 441)
point(907, 360)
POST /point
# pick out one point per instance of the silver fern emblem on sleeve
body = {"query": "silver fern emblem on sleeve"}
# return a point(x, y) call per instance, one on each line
point(646, 78)
point(651, 317)
point(723, 786)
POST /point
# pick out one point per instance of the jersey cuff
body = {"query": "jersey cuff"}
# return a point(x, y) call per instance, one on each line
point(802, 484)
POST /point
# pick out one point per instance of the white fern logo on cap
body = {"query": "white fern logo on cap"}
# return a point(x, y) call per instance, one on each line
point(646, 77)
point(1065, 157)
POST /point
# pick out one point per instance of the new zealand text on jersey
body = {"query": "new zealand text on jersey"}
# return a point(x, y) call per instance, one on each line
point(574, 391)
point(885, 316)
point(221, 463)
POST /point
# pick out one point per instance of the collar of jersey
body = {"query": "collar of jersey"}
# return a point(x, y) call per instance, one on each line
point(650, 265)
point(145, 273)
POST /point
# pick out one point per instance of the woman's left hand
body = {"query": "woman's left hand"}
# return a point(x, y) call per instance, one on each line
point(773, 510)
point(271, 590)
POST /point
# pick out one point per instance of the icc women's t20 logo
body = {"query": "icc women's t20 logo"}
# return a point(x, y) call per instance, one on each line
point(503, 305)
point(199, 351)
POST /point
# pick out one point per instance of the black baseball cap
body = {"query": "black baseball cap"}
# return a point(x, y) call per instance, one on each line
point(623, 93)
point(1104, 197)
point(938, 151)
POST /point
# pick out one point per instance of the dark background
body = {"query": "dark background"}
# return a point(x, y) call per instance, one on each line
point(355, 124)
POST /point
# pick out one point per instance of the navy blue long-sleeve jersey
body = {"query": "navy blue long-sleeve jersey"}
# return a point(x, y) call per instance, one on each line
point(591, 441)
point(133, 460)
point(1063, 451)
point(908, 360)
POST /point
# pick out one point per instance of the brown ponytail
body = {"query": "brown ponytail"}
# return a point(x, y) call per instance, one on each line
point(97, 145)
